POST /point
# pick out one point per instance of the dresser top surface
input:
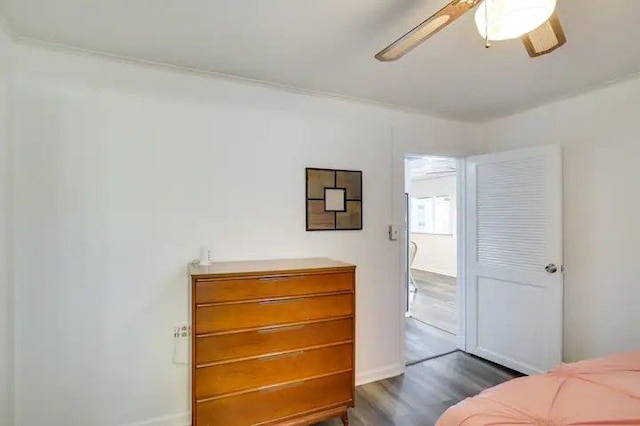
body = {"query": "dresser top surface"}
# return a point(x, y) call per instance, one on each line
point(263, 266)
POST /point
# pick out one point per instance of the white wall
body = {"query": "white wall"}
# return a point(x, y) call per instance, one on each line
point(437, 253)
point(6, 288)
point(122, 172)
point(600, 136)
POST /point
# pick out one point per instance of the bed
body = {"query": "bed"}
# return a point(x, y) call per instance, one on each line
point(602, 391)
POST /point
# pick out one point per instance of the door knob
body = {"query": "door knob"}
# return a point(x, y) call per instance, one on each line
point(551, 268)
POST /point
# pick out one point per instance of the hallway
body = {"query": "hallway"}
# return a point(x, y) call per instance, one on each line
point(423, 342)
point(435, 301)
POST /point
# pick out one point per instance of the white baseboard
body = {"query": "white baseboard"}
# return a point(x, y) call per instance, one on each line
point(379, 374)
point(183, 419)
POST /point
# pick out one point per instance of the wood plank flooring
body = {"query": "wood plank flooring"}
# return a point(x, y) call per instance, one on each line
point(423, 341)
point(435, 302)
point(425, 391)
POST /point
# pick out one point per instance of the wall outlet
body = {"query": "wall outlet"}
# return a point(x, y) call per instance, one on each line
point(181, 331)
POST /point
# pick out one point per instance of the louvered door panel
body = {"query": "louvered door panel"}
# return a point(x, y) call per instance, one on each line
point(511, 214)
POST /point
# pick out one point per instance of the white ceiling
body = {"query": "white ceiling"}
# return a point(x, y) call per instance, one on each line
point(328, 46)
point(431, 167)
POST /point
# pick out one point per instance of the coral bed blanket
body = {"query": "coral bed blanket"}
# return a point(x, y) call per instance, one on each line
point(602, 391)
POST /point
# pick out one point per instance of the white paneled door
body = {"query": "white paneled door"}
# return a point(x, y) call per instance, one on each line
point(514, 258)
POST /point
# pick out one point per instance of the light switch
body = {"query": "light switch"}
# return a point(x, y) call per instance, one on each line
point(394, 232)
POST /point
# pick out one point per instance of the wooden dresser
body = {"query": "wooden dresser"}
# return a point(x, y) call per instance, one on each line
point(274, 342)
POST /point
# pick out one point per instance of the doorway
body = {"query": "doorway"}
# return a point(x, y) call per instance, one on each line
point(510, 283)
point(431, 213)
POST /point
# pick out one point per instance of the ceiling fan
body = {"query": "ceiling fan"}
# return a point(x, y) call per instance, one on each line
point(534, 21)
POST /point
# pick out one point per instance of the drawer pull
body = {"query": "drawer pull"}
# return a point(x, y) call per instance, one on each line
point(279, 329)
point(281, 356)
point(279, 302)
point(278, 279)
point(282, 387)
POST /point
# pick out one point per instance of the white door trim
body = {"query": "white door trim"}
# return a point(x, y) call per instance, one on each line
point(461, 296)
point(461, 293)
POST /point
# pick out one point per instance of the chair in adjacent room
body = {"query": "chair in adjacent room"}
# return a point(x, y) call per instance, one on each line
point(413, 288)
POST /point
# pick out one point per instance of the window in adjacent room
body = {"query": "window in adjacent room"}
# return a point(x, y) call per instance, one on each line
point(431, 215)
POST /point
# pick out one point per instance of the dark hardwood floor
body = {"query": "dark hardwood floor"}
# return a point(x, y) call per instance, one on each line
point(435, 302)
point(425, 391)
point(423, 341)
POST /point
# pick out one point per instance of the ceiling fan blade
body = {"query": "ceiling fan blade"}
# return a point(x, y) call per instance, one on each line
point(546, 38)
point(435, 23)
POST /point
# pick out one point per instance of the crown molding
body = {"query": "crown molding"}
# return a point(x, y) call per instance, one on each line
point(181, 69)
point(557, 99)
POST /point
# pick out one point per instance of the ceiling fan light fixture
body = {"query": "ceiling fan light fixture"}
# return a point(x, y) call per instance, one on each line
point(510, 19)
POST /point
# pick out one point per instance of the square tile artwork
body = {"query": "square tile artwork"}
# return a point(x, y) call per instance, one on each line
point(334, 200)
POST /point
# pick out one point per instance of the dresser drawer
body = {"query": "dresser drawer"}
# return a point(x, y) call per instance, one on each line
point(238, 376)
point(269, 340)
point(220, 318)
point(276, 403)
point(209, 291)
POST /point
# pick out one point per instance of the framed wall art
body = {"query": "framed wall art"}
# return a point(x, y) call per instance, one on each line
point(334, 200)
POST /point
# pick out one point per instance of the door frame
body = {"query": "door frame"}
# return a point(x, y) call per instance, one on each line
point(461, 294)
point(461, 283)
